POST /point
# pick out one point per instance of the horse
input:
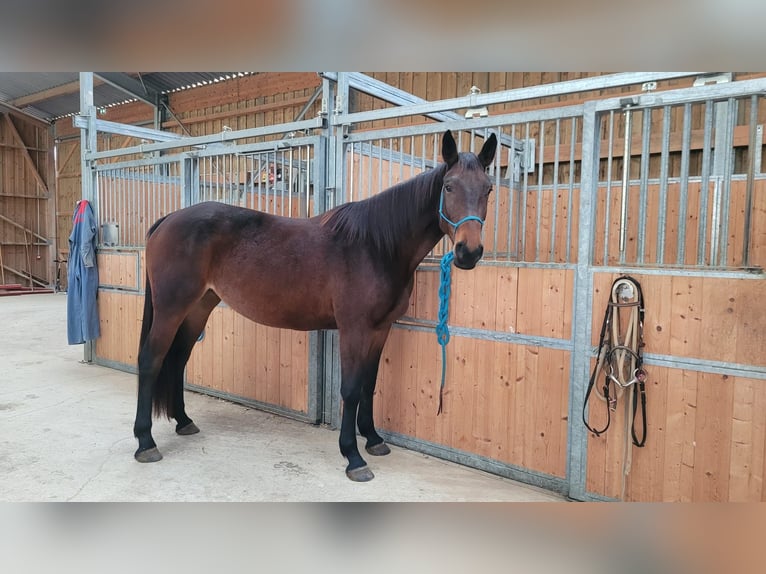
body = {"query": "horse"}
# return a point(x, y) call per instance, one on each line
point(351, 269)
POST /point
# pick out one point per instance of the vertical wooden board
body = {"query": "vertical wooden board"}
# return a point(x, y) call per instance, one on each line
point(250, 365)
point(299, 365)
point(713, 437)
point(463, 302)
point(408, 375)
point(555, 314)
point(658, 299)
point(529, 301)
point(484, 410)
point(530, 406)
point(719, 317)
point(428, 384)
point(388, 389)
point(742, 442)
point(686, 316)
point(691, 240)
point(460, 381)
point(545, 223)
point(484, 296)
point(689, 380)
point(507, 285)
point(285, 376)
point(574, 216)
point(501, 377)
point(646, 477)
point(750, 347)
point(548, 433)
point(758, 225)
point(236, 343)
point(272, 354)
point(735, 240)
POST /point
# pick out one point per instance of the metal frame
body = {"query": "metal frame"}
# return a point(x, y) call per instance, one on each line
point(338, 137)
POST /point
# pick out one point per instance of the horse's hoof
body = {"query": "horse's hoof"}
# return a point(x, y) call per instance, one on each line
point(148, 455)
point(379, 449)
point(361, 474)
point(191, 428)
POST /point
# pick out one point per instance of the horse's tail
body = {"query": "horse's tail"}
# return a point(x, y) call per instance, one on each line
point(162, 397)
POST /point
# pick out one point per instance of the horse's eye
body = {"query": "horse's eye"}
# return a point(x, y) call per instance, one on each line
point(447, 188)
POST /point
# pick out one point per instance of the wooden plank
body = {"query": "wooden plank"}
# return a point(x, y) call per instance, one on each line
point(713, 438)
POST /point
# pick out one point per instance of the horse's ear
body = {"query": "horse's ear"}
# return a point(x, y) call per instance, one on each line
point(487, 153)
point(449, 149)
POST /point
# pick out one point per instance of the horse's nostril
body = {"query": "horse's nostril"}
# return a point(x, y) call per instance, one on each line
point(460, 245)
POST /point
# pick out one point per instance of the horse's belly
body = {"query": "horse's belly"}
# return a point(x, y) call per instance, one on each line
point(283, 310)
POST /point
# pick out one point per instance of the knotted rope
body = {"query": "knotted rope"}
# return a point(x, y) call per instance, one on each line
point(442, 329)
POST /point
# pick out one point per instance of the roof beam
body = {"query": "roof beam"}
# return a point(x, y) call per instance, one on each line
point(23, 115)
point(130, 86)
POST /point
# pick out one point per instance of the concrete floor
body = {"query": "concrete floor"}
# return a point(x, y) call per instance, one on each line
point(66, 434)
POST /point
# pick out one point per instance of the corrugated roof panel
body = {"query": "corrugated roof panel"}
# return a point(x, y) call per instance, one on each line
point(15, 85)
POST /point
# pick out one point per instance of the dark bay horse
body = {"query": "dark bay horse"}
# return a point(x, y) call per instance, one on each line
point(350, 269)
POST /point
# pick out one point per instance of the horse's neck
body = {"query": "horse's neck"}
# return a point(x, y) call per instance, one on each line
point(426, 233)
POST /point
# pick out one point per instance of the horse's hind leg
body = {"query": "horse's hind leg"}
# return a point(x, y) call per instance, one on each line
point(179, 354)
point(151, 357)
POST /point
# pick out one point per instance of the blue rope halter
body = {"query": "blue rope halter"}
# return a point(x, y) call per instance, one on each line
point(445, 288)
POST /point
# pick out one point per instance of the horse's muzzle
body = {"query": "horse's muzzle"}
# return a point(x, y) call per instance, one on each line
point(466, 258)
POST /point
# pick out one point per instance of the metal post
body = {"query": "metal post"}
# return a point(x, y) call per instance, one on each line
point(88, 144)
point(583, 303)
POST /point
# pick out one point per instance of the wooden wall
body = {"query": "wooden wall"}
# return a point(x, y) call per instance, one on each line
point(707, 431)
point(26, 195)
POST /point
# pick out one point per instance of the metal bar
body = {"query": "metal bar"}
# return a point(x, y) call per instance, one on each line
point(570, 199)
point(706, 366)
point(753, 125)
point(556, 141)
point(222, 137)
point(523, 201)
point(496, 185)
point(608, 202)
point(426, 326)
point(643, 187)
point(728, 167)
point(520, 94)
point(690, 95)
point(512, 224)
point(683, 193)
point(704, 183)
point(625, 183)
point(663, 195)
point(128, 130)
point(577, 445)
point(539, 213)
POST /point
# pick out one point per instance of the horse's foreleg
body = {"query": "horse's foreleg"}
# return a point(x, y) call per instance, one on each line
point(360, 353)
point(375, 446)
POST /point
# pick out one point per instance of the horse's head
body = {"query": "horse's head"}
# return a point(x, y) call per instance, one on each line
point(463, 202)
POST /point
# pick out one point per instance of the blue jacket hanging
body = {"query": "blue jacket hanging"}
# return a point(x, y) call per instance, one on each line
point(82, 274)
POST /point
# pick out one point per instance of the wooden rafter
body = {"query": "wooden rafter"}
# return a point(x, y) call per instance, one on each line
point(26, 154)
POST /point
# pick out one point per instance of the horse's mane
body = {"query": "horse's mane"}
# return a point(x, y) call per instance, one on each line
point(382, 220)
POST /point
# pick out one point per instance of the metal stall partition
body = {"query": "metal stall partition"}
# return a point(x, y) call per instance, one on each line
point(271, 369)
point(681, 216)
point(507, 384)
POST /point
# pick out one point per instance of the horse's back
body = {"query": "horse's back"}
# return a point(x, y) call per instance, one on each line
point(271, 269)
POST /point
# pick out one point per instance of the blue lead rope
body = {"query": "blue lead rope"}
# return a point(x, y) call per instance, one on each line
point(445, 286)
point(442, 329)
